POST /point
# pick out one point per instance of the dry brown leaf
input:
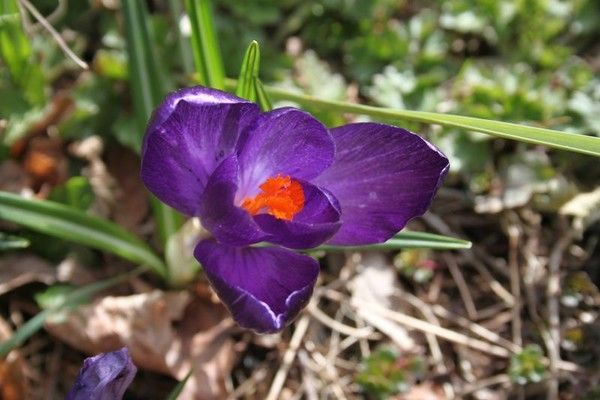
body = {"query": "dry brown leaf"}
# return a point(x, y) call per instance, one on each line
point(166, 332)
point(13, 377)
point(45, 161)
point(424, 391)
point(375, 283)
point(13, 177)
point(131, 198)
point(20, 269)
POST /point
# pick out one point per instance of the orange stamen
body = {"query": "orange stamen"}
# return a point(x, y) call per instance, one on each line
point(281, 197)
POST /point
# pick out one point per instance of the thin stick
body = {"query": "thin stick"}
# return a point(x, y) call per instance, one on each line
point(477, 329)
point(553, 293)
point(288, 358)
point(463, 289)
point(336, 325)
point(515, 282)
point(501, 379)
point(59, 40)
point(424, 326)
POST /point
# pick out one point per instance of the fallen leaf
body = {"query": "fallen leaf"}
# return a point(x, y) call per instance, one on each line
point(166, 332)
point(424, 391)
point(45, 161)
point(20, 269)
point(375, 283)
point(13, 177)
point(131, 197)
point(13, 377)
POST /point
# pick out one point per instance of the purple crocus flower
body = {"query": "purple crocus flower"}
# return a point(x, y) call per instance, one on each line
point(280, 177)
point(104, 377)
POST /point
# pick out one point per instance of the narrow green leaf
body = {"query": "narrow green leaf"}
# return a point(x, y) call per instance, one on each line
point(73, 225)
point(179, 387)
point(205, 48)
point(261, 96)
point(148, 89)
point(408, 240)
point(249, 72)
point(183, 43)
point(561, 140)
point(529, 134)
point(77, 296)
point(11, 242)
point(16, 54)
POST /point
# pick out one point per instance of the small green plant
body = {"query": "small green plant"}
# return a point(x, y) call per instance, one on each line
point(527, 366)
point(385, 372)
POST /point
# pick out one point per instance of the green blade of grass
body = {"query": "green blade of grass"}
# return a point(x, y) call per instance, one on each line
point(529, 134)
point(249, 71)
point(11, 242)
point(560, 140)
point(207, 55)
point(408, 240)
point(77, 296)
point(176, 8)
point(148, 90)
point(73, 225)
point(261, 96)
point(179, 387)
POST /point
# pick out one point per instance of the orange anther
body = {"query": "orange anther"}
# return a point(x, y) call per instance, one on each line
point(281, 197)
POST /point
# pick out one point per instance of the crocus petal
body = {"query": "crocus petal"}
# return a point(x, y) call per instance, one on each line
point(263, 288)
point(317, 222)
point(382, 176)
point(104, 377)
point(189, 134)
point(285, 141)
point(219, 215)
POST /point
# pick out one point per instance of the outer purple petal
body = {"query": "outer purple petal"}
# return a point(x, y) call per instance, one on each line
point(104, 377)
point(382, 176)
point(263, 288)
point(189, 134)
point(317, 222)
point(219, 215)
point(285, 141)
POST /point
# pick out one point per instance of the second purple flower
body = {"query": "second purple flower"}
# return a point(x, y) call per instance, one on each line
point(280, 177)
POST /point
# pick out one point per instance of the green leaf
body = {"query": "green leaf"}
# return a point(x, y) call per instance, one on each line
point(249, 72)
point(148, 90)
point(408, 239)
point(16, 53)
point(506, 130)
point(207, 55)
point(70, 224)
point(76, 296)
point(179, 387)
point(261, 96)
point(11, 242)
point(146, 82)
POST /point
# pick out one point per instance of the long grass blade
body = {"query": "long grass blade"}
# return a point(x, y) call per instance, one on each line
point(249, 72)
point(148, 90)
point(205, 48)
point(523, 133)
point(73, 225)
point(179, 387)
point(77, 296)
point(262, 98)
point(408, 240)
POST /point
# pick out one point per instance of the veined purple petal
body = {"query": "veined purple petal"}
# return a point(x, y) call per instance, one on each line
point(218, 213)
point(317, 222)
point(263, 288)
point(188, 136)
point(382, 176)
point(104, 377)
point(285, 141)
